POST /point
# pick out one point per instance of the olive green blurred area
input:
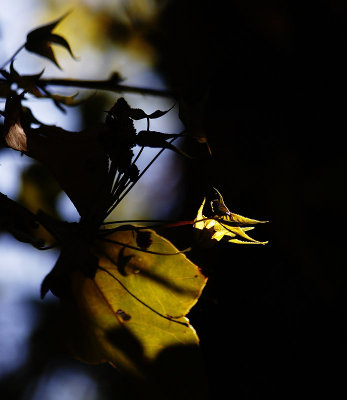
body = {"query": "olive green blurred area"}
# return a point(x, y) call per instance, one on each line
point(272, 319)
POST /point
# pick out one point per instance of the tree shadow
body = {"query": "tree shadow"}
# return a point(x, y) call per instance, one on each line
point(176, 374)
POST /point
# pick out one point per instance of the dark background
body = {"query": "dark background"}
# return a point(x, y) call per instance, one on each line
point(272, 319)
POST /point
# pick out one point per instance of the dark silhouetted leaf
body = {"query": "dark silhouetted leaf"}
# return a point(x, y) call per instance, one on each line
point(76, 159)
point(159, 113)
point(85, 163)
point(5, 89)
point(158, 140)
point(27, 82)
point(18, 221)
point(40, 39)
point(137, 113)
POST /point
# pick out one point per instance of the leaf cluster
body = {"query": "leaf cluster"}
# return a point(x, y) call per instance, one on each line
point(223, 225)
point(96, 168)
point(123, 282)
point(135, 280)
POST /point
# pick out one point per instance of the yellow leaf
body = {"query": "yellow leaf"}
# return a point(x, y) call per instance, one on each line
point(136, 305)
point(230, 224)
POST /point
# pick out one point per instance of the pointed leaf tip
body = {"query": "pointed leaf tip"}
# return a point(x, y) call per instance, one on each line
point(40, 39)
point(224, 226)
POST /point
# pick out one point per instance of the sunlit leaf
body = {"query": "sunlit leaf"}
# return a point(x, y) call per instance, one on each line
point(136, 305)
point(230, 227)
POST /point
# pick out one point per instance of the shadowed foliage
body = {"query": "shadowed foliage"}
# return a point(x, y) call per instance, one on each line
point(270, 79)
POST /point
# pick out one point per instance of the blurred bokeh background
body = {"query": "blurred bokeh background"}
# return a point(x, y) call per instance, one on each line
point(272, 319)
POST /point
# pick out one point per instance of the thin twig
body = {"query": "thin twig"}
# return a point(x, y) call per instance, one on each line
point(141, 174)
point(13, 56)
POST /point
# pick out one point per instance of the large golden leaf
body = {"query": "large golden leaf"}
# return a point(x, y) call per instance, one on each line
point(135, 307)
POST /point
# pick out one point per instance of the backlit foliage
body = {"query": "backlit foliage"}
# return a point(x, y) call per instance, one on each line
point(125, 290)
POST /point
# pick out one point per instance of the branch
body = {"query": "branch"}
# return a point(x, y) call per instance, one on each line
point(107, 85)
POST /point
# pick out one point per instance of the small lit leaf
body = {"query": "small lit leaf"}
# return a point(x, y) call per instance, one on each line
point(224, 227)
point(235, 219)
point(40, 39)
point(136, 305)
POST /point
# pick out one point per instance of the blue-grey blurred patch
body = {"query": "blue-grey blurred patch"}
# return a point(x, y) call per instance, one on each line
point(65, 383)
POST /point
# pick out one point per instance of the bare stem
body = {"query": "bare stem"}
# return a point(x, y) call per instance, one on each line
point(133, 183)
point(13, 56)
